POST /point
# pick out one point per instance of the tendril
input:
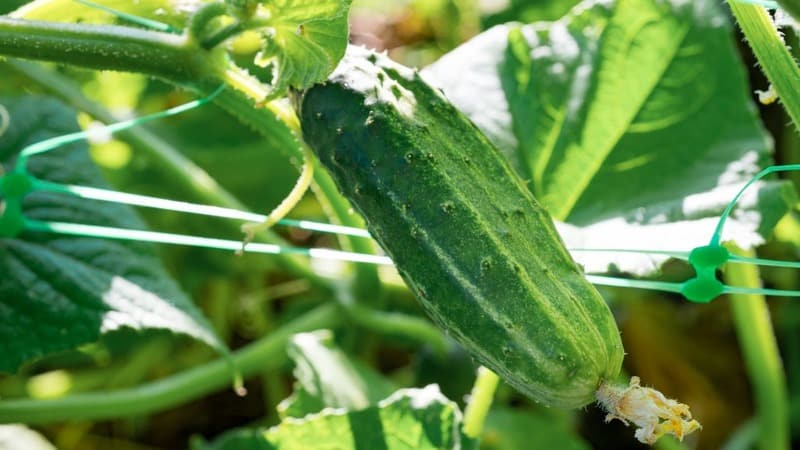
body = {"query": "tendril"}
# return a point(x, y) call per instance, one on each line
point(288, 203)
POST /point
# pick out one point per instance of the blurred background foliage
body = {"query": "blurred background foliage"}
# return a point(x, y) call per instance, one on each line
point(689, 351)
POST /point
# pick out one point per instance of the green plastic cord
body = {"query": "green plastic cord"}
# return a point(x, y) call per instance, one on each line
point(706, 260)
point(191, 208)
point(60, 141)
point(13, 187)
point(16, 185)
point(717, 236)
point(75, 229)
point(147, 23)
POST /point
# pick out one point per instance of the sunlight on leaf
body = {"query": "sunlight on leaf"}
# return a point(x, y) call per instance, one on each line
point(409, 419)
point(631, 120)
point(62, 292)
point(20, 437)
point(328, 378)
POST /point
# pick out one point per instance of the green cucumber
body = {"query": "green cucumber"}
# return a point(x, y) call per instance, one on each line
point(477, 250)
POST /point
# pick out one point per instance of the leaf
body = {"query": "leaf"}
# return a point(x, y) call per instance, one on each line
point(410, 419)
point(509, 429)
point(58, 292)
point(305, 39)
point(328, 378)
point(20, 437)
point(632, 121)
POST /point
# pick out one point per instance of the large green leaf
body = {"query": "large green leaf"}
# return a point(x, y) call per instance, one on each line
point(59, 292)
point(328, 378)
point(410, 419)
point(632, 121)
point(341, 404)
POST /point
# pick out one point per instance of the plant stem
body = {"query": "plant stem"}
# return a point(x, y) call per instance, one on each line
point(480, 401)
point(393, 323)
point(222, 35)
point(181, 170)
point(266, 353)
point(108, 47)
point(668, 443)
point(762, 359)
point(772, 54)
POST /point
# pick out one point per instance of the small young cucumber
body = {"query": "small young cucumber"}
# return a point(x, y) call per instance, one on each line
point(469, 239)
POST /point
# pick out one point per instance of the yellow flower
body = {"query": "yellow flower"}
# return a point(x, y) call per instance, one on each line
point(648, 409)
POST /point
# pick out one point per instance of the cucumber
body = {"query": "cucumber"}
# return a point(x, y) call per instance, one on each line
point(480, 254)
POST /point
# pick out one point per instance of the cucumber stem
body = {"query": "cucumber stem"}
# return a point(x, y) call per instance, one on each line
point(480, 401)
point(265, 354)
point(109, 47)
point(761, 355)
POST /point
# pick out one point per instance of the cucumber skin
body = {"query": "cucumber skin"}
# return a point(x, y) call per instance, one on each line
point(471, 242)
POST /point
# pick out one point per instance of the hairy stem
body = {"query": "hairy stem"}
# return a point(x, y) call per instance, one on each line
point(266, 353)
point(760, 351)
point(773, 56)
point(109, 47)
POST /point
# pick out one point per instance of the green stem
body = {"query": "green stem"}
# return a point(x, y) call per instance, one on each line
point(775, 59)
point(266, 353)
point(180, 169)
point(760, 351)
point(392, 323)
point(222, 35)
point(109, 47)
point(480, 401)
point(668, 443)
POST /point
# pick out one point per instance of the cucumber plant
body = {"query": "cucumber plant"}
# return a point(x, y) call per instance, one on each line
point(480, 253)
